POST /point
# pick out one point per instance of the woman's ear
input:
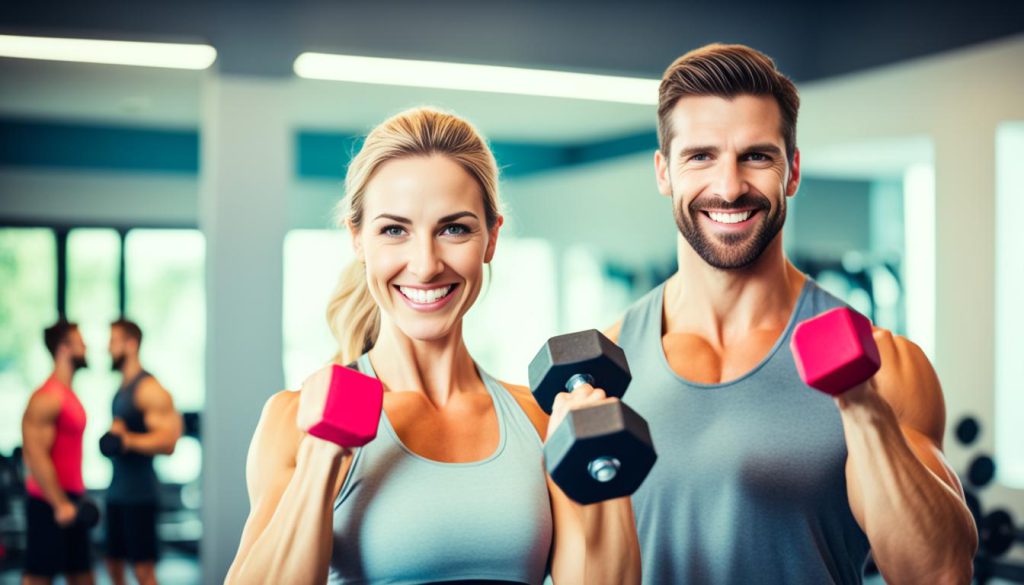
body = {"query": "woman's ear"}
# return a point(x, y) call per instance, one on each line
point(492, 240)
point(357, 240)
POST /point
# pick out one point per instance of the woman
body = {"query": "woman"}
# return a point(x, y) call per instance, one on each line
point(453, 487)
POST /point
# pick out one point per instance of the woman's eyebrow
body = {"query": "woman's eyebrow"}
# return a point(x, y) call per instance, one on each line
point(458, 215)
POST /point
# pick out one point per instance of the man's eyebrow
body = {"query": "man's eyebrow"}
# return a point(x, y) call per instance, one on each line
point(692, 150)
point(765, 148)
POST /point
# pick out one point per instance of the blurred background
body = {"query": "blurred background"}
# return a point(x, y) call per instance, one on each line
point(193, 193)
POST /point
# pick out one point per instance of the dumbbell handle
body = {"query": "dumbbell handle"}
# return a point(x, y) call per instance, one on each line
point(602, 469)
point(578, 380)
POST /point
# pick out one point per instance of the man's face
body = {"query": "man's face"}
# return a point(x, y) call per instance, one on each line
point(76, 346)
point(728, 176)
point(117, 348)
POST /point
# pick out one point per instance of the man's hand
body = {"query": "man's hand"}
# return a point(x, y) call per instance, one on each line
point(64, 513)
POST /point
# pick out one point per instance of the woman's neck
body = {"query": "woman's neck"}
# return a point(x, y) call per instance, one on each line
point(437, 368)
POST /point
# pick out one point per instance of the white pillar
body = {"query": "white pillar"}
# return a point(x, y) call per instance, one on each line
point(246, 167)
point(965, 272)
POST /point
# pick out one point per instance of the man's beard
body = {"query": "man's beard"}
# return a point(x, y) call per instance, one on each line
point(117, 362)
point(79, 362)
point(729, 252)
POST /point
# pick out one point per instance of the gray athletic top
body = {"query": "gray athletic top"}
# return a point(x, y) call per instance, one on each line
point(403, 519)
point(750, 483)
point(134, 481)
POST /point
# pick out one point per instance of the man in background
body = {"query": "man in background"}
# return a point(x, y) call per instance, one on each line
point(52, 429)
point(145, 424)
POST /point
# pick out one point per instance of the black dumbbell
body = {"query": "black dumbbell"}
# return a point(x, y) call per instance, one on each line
point(996, 532)
point(981, 471)
point(597, 453)
point(88, 514)
point(111, 445)
point(967, 430)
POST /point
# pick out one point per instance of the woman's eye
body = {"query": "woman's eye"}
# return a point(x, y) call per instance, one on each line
point(393, 231)
point(456, 229)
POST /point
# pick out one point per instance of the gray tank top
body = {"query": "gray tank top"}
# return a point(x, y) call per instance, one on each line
point(403, 519)
point(134, 481)
point(750, 484)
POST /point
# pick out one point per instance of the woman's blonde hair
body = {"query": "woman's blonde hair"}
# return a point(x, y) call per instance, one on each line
point(352, 314)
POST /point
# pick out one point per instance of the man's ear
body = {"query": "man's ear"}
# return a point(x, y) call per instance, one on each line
point(492, 240)
point(661, 170)
point(793, 183)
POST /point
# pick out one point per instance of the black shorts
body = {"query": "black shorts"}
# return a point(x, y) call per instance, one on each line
point(131, 532)
point(51, 549)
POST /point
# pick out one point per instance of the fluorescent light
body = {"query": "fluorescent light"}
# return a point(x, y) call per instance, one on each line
point(584, 86)
point(169, 55)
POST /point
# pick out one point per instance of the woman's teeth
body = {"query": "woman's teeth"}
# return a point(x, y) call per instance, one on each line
point(730, 217)
point(425, 296)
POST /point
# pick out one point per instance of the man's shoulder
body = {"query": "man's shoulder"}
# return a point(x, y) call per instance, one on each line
point(614, 330)
point(908, 381)
point(46, 400)
point(52, 384)
point(150, 391)
point(633, 311)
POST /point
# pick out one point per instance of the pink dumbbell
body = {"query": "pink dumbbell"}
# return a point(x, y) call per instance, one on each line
point(352, 409)
point(835, 351)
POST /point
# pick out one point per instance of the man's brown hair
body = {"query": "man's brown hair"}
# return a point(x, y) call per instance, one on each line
point(130, 329)
point(55, 334)
point(726, 71)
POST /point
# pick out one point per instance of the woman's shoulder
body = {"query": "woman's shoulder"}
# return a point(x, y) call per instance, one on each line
point(528, 403)
point(276, 426)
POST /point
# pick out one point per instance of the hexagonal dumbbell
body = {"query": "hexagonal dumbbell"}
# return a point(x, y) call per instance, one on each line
point(835, 351)
point(601, 452)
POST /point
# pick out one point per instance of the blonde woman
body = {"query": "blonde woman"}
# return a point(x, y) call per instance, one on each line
point(453, 488)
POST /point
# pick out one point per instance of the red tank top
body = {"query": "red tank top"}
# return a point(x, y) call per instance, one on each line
point(66, 451)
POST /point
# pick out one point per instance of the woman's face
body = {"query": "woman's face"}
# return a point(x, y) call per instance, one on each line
point(424, 240)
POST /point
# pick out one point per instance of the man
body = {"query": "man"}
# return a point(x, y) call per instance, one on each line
point(52, 429)
point(145, 424)
point(761, 479)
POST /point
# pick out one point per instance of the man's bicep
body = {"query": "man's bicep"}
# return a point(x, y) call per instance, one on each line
point(157, 406)
point(38, 425)
point(910, 384)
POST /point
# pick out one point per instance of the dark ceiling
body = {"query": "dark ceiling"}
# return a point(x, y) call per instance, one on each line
point(809, 40)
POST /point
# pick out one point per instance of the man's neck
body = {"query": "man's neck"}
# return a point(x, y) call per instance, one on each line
point(726, 305)
point(131, 368)
point(63, 371)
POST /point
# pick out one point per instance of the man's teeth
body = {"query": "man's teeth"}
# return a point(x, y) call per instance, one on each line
point(730, 217)
point(419, 295)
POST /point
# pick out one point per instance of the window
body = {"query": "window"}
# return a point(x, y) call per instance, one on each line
point(92, 301)
point(28, 305)
point(165, 294)
point(313, 260)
